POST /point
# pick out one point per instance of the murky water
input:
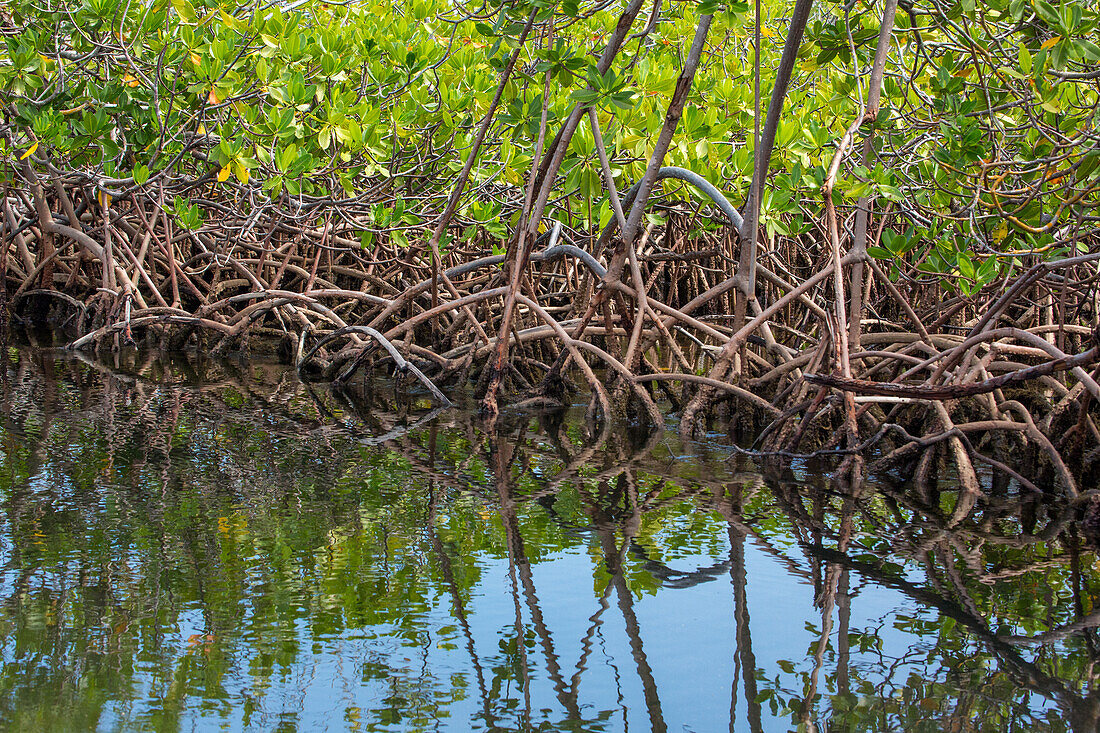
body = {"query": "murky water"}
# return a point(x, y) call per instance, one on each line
point(200, 546)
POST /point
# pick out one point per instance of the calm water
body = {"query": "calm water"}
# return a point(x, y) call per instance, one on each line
point(217, 546)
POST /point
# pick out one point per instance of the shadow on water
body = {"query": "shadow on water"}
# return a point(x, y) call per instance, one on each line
point(193, 544)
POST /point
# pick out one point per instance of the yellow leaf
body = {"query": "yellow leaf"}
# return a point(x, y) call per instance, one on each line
point(999, 232)
point(201, 130)
point(30, 151)
point(104, 198)
point(212, 97)
point(130, 81)
point(223, 174)
point(1050, 42)
point(241, 172)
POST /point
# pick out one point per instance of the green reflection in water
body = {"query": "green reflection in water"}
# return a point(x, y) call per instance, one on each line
point(207, 545)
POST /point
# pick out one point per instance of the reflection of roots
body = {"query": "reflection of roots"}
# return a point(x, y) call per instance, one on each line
point(617, 495)
point(995, 383)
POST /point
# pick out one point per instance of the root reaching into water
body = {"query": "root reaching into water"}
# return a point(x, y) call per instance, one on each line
point(637, 325)
point(801, 344)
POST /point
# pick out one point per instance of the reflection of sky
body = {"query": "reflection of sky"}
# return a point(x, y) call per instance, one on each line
point(688, 636)
point(338, 680)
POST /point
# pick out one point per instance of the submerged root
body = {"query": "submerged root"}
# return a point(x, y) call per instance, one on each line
point(632, 330)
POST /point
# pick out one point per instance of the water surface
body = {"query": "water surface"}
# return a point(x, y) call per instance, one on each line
point(198, 545)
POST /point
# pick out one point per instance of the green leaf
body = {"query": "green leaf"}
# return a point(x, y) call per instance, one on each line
point(892, 193)
point(966, 267)
point(141, 174)
point(287, 156)
point(987, 270)
point(623, 99)
point(1047, 12)
point(1086, 49)
point(858, 189)
point(185, 10)
point(1025, 59)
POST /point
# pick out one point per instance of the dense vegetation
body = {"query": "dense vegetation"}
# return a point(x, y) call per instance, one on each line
point(470, 188)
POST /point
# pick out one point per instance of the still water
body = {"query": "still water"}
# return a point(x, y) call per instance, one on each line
point(198, 545)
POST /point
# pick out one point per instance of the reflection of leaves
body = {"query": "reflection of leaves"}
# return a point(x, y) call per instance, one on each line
point(269, 528)
point(224, 532)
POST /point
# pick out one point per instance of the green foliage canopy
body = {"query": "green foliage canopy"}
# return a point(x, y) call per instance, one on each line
point(987, 149)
